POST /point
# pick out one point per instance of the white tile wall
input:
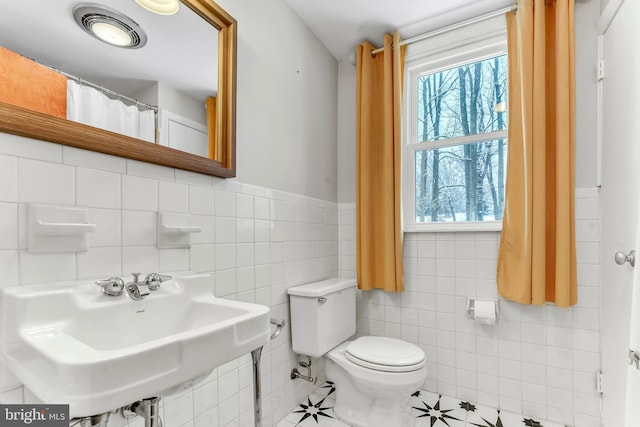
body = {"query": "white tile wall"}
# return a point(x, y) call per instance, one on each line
point(539, 361)
point(256, 242)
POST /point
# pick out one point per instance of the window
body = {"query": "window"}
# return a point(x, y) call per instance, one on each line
point(456, 138)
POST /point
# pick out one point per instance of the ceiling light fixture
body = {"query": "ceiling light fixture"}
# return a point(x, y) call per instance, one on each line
point(109, 26)
point(161, 7)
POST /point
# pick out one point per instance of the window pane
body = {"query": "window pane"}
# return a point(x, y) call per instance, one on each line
point(466, 100)
point(461, 183)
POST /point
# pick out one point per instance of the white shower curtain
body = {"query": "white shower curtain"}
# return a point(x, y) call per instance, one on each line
point(92, 107)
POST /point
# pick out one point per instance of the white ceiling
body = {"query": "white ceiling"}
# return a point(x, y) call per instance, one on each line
point(342, 24)
point(182, 49)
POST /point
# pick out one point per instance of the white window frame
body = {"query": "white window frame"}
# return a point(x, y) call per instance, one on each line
point(470, 44)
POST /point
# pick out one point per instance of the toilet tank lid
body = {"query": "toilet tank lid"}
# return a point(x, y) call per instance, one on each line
point(323, 287)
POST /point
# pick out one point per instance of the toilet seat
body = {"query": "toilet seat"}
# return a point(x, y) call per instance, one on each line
point(385, 354)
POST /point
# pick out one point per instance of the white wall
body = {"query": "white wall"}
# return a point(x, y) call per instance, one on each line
point(287, 101)
point(586, 16)
point(346, 132)
point(169, 98)
point(539, 361)
point(274, 226)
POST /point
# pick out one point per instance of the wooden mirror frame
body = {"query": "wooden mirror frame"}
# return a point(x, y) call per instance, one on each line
point(20, 121)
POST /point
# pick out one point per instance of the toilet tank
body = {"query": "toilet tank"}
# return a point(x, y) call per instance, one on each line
point(323, 315)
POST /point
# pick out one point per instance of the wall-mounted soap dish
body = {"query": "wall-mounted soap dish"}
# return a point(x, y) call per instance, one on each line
point(174, 230)
point(58, 228)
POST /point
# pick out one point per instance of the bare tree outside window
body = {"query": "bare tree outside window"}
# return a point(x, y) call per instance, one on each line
point(461, 181)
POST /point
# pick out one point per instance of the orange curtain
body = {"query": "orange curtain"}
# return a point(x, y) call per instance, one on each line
point(378, 151)
point(214, 150)
point(537, 256)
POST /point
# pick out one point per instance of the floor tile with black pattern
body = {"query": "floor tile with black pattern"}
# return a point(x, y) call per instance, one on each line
point(429, 409)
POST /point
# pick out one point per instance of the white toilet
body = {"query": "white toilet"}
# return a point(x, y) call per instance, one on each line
point(374, 376)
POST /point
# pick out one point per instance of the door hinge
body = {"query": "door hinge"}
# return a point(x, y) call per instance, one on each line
point(599, 386)
point(600, 69)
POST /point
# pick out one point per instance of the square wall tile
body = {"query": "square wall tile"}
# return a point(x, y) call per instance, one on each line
point(9, 179)
point(244, 206)
point(150, 170)
point(139, 193)
point(177, 412)
point(225, 203)
point(245, 230)
point(225, 256)
point(92, 159)
point(97, 188)
point(109, 227)
point(262, 231)
point(261, 208)
point(201, 200)
point(9, 266)
point(245, 279)
point(100, 263)
point(586, 340)
point(173, 259)
point(245, 255)
point(15, 145)
point(139, 228)
point(193, 178)
point(225, 231)
point(8, 225)
point(226, 283)
point(587, 208)
point(205, 398)
point(44, 182)
point(228, 410)
point(202, 258)
point(173, 197)
point(46, 268)
point(139, 259)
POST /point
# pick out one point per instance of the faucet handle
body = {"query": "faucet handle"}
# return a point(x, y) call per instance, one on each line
point(112, 286)
point(153, 280)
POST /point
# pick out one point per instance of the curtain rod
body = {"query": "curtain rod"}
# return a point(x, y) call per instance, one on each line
point(100, 88)
point(455, 26)
point(107, 91)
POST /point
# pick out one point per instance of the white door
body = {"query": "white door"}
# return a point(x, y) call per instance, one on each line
point(619, 208)
point(183, 134)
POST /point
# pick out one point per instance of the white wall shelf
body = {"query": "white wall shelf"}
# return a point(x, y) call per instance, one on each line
point(58, 228)
point(174, 230)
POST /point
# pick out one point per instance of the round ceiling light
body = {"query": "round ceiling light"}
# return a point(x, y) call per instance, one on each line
point(109, 26)
point(161, 7)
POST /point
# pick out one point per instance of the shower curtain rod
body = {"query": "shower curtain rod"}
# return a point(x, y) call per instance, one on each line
point(455, 26)
point(103, 89)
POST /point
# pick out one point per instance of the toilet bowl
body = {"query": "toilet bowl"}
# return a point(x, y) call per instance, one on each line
point(374, 376)
point(374, 379)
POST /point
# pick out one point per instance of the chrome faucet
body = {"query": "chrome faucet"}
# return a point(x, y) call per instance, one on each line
point(112, 287)
point(138, 290)
point(153, 280)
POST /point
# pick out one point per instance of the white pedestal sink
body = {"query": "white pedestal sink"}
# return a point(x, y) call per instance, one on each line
point(69, 343)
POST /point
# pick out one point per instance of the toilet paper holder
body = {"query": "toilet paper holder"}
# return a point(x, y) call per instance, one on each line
point(471, 307)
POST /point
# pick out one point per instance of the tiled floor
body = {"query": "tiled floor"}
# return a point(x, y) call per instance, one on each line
point(430, 410)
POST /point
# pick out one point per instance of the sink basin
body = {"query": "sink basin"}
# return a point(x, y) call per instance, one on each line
point(69, 343)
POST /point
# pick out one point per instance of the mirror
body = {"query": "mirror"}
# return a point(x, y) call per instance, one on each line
point(38, 125)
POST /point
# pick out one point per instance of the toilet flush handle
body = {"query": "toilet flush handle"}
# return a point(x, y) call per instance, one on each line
point(322, 300)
